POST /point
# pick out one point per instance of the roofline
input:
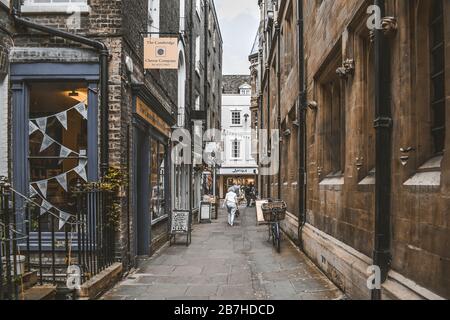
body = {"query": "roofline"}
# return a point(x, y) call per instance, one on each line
point(217, 20)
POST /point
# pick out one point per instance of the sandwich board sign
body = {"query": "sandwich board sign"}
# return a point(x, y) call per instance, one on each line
point(161, 53)
point(180, 224)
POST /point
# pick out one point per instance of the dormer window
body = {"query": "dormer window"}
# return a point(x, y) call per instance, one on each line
point(245, 90)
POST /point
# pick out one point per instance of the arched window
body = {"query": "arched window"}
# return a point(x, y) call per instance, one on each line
point(437, 74)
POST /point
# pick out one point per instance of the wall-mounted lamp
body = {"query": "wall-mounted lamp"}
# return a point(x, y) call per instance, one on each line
point(287, 133)
point(404, 158)
point(73, 94)
point(246, 116)
point(313, 105)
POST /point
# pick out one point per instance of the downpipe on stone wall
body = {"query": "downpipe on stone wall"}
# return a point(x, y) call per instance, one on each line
point(277, 30)
point(103, 51)
point(302, 105)
point(383, 128)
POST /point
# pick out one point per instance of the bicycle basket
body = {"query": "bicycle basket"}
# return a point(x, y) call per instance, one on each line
point(274, 211)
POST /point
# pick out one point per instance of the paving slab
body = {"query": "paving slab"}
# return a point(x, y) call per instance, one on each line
point(227, 263)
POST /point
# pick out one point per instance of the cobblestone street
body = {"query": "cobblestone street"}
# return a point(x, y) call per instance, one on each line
point(227, 263)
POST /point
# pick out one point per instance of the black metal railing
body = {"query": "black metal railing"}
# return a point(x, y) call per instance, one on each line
point(29, 250)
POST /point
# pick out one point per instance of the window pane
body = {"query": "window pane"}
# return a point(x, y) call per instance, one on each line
point(57, 143)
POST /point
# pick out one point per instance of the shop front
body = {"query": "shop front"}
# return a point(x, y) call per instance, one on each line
point(242, 177)
point(152, 196)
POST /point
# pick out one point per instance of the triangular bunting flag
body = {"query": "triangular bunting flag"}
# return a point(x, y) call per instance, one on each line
point(33, 191)
point(63, 218)
point(81, 171)
point(45, 207)
point(64, 152)
point(32, 128)
point(42, 123)
point(42, 185)
point(62, 118)
point(62, 180)
point(46, 142)
point(81, 108)
point(82, 162)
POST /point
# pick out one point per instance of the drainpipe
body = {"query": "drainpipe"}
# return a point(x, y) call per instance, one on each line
point(104, 90)
point(261, 122)
point(383, 127)
point(192, 101)
point(269, 144)
point(277, 30)
point(205, 73)
point(302, 107)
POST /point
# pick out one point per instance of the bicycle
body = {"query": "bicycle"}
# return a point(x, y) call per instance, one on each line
point(274, 211)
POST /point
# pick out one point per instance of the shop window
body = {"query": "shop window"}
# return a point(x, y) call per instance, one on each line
point(158, 183)
point(437, 74)
point(58, 144)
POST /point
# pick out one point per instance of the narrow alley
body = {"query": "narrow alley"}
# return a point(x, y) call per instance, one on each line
point(225, 263)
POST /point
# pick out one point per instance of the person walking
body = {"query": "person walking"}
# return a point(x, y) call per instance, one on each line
point(231, 203)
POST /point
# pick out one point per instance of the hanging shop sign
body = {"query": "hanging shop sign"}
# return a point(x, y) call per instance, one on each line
point(146, 113)
point(180, 225)
point(161, 53)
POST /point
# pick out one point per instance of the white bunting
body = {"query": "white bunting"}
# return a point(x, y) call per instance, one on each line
point(42, 123)
point(33, 191)
point(62, 118)
point(63, 218)
point(81, 108)
point(32, 128)
point(82, 162)
point(81, 171)
point(62, 180)
point(46, 142)
point(45, 207)
point(64, 152)
point(42, 185)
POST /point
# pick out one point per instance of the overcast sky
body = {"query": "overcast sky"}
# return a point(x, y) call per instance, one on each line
point(239, 21)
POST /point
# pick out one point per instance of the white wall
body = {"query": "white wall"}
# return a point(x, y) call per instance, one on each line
point(4, 127)
point(241, 132)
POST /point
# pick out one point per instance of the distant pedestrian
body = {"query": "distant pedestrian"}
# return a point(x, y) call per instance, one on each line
point(248, 194)
point(231, 203)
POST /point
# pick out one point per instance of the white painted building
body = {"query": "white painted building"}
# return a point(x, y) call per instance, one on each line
point(239, 167)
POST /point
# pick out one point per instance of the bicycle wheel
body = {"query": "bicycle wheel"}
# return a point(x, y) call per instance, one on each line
point(274, 234)
point(278, 237)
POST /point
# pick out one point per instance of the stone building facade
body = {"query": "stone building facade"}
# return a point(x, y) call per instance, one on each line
point(143, 106)
point(339, 150)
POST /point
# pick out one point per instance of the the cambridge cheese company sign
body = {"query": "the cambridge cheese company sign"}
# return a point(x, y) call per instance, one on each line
point(161, 53)
point(151, 117)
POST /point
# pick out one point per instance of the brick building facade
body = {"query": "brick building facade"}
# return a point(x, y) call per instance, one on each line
point(328, 135)
point(52, 75)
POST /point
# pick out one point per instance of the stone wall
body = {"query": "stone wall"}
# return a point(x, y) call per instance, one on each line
point(342, 203)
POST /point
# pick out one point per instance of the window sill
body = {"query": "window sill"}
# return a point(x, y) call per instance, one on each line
point(60, 8)
point(332, 183)
point(160, 219)
point(427, 178)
